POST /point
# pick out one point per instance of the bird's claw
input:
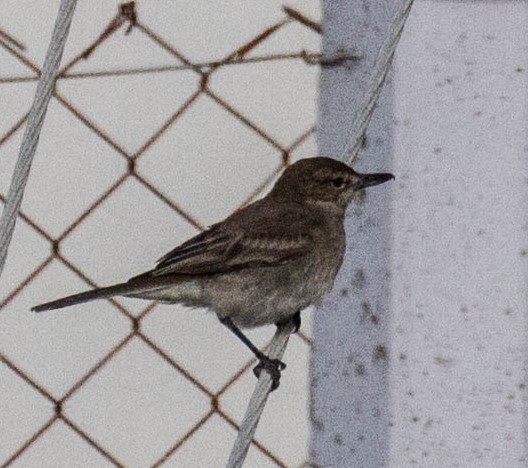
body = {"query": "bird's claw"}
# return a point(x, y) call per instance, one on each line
point(273, 367)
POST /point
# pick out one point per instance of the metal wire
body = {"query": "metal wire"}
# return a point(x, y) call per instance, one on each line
point(34, 125)
point(379, 74)
point(258, 401)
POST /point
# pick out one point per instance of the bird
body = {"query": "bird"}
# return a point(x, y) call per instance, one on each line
point(264, 263)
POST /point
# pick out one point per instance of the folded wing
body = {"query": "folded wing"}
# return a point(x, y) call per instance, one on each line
point(217, 251)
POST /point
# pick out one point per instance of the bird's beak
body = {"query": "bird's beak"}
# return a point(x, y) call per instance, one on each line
point(368, 180)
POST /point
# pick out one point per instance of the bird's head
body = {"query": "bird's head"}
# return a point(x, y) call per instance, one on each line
point(324, 181)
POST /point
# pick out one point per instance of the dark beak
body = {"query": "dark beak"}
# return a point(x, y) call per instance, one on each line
point(368, 180)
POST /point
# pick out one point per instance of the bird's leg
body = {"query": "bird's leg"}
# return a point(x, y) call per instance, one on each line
point(272, 366)
point(295, 319)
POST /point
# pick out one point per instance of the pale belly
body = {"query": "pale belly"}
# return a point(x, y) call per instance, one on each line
point(267, 295)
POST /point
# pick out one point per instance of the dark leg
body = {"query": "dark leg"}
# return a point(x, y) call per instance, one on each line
point(295, 319)
point(272, 366)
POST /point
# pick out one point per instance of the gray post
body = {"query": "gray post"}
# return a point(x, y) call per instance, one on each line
point(350, 385)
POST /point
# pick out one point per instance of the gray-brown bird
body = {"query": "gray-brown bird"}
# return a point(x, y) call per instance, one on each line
point(264, 263)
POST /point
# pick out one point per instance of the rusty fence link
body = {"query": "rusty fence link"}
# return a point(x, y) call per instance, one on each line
point(128, 22)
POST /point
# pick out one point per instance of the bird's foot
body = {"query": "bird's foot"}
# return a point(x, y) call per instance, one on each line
point(273, 367)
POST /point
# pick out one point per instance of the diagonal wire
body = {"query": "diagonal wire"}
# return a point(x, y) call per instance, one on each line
point(9, 38)
point(34, 125)
point(258, 400)
point(381, 68)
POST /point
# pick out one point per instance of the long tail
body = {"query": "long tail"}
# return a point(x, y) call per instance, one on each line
point(100, 293)
point(173, 288)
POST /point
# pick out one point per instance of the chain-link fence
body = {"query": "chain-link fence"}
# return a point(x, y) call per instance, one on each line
point(173, 117)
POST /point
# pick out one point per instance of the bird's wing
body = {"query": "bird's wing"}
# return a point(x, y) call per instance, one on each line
point(217, 250)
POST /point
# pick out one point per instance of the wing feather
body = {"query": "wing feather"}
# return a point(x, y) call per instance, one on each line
point(206, 241)
point(222, 253)
point(258, 235)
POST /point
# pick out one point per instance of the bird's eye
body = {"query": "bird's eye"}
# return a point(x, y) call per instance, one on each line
point(338, 182)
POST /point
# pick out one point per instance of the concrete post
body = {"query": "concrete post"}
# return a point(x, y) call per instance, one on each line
point(350, 380)
point(420, 353)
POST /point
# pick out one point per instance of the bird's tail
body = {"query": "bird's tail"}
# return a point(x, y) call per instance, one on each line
point(176, 288)
point(100, 293)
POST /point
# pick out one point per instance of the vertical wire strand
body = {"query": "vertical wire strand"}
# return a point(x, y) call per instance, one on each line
point(36, 116)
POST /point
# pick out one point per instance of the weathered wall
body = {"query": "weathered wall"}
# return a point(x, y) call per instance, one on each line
point(452, 231)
